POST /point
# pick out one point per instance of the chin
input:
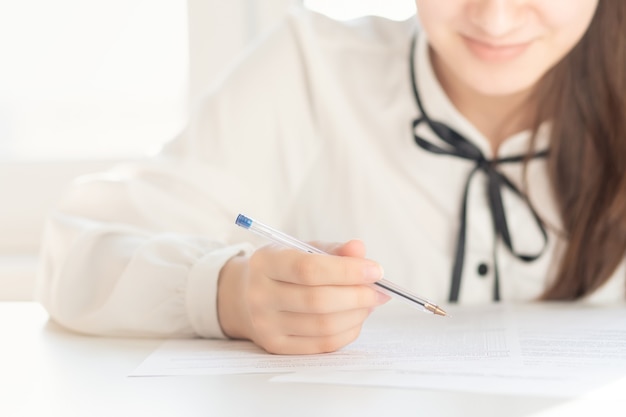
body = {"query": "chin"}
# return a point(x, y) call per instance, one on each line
point(501, 90)
point(489, 78)
point(489, 84)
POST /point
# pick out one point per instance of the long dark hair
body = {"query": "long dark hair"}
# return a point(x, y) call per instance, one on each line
point(584, 96)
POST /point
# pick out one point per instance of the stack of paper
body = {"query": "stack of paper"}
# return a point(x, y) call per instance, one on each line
point(539, 349)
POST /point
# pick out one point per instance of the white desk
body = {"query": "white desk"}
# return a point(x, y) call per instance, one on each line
point(47, 371)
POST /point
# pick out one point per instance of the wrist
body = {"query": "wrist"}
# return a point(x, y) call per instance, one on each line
point(231, 310)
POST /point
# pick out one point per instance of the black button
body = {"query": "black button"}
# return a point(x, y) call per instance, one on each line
point(483, 269)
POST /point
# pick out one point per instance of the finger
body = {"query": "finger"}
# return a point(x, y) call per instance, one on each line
point(297, 267)
point(354, 248)
point(315, 325)
point(325, 299)
point(302, 345)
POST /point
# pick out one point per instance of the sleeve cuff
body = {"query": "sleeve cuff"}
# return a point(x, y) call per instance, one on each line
point(201, 297)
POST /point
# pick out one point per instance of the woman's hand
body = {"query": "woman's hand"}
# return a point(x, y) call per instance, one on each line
point(291, 302)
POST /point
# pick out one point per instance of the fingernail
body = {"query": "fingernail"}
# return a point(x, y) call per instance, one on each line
point(373, 273)
point(382, 298)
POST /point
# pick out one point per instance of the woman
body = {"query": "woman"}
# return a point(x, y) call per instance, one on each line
point(479, 154)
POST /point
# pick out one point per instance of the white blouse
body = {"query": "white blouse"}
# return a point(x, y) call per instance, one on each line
point(311, 133)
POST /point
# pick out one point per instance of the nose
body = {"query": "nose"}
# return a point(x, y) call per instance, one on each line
point(497, 18)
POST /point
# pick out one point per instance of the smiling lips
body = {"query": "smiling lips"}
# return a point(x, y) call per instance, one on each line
point(494, 52)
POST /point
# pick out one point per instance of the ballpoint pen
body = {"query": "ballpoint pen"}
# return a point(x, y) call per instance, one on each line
point(382, 285)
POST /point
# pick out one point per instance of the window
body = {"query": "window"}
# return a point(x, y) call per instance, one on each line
point(348, 9)
point(90, 79)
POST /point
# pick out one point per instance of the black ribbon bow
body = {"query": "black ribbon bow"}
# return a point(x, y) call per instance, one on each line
point(462, 148)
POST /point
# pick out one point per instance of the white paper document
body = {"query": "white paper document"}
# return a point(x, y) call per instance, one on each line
point(548, 349)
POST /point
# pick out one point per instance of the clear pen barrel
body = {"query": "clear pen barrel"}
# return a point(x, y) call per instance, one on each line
point(275, 235)
point(395, 291)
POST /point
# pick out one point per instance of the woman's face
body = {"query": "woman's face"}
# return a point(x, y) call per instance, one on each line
point(500, 47)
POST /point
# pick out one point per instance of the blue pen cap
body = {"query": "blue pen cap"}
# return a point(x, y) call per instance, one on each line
point(243, 221)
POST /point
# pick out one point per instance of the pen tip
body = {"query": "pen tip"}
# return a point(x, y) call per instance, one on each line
point(435, 309)
point(438, 311)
